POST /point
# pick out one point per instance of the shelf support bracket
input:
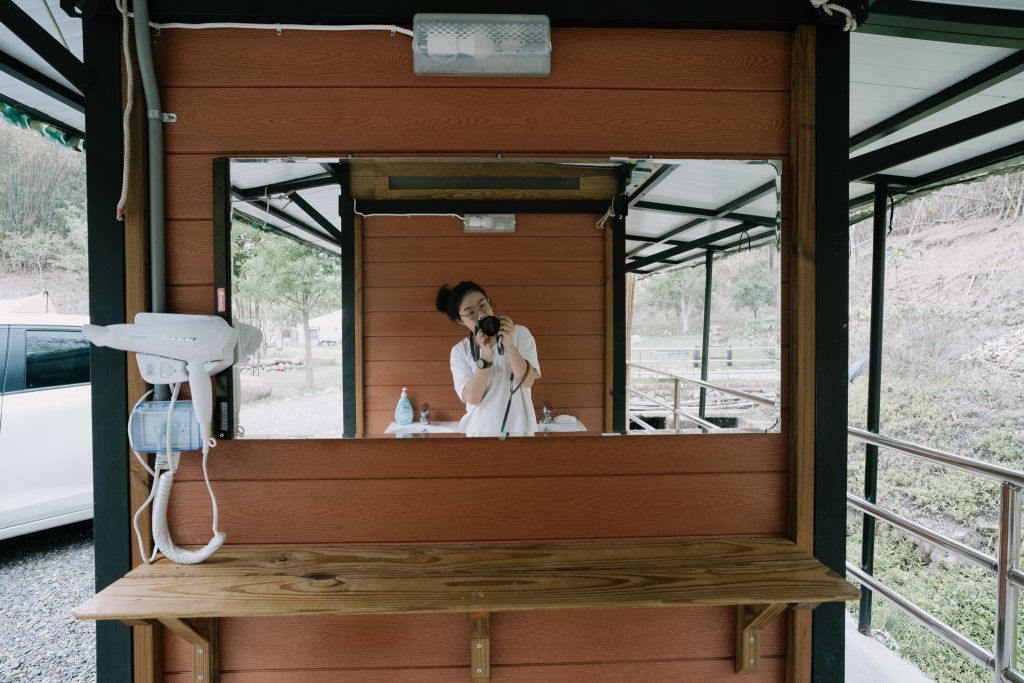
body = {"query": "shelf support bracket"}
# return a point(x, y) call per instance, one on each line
point(480, 647)
point(750, 619)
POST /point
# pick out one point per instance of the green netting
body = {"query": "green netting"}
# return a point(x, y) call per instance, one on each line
point(47, 131)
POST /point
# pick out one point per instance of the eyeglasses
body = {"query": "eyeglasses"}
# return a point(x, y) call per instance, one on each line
point(478, 310)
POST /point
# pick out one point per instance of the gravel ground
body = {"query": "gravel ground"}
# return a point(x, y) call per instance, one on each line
point(315, 415)
point(43, 577)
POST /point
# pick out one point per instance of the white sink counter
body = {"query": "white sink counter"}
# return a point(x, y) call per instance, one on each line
point(452, 428)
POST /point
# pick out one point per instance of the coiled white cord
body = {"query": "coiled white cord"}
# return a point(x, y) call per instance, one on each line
point(160, 495)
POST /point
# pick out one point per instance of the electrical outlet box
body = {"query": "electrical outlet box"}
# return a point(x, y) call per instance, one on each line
point(148, 428)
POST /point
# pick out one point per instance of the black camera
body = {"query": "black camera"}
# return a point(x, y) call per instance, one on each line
point(489, 325)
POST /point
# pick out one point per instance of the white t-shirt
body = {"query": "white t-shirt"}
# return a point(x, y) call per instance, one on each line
point(484, 418)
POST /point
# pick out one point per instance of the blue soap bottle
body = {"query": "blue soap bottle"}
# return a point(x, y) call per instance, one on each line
point(403, 411)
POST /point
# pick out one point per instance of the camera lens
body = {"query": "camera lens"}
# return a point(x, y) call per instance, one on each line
point(490, 325)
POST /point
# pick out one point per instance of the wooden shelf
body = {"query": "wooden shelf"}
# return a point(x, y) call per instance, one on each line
point(760, 576)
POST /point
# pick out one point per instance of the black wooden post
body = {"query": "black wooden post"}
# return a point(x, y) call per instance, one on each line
point(102, 39)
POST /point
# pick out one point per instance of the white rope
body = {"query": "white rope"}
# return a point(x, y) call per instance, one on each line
point(126, 125)
point(851, 23)
point(602, 222)
point(404, 215)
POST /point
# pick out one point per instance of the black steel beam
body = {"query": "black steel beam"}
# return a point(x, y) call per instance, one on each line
point(447, 206)
point(321, 180)
point(977, 164)
point(41, 116)
point(705, 338)
point(973, 84)
point(320, 219)
point(830, 337)
point(224, 412)
point(351, 402)
point(743, 241)
point(258, 224)
point(619, 323)
point(41, 82)
point(724, 211)
point(946, 23)
point(661, 256)
point(876, 338)
point(112, 511)
point(45, 45)
point(936, 140)
point(711, 214)
point(738, 14)
point(289, 219)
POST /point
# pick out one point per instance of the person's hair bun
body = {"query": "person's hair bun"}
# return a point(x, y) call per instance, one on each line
point(443, 296)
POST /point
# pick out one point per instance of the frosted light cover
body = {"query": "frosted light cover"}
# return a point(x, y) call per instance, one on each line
point(481, 45)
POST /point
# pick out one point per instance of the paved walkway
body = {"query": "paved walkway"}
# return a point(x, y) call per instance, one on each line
point(868, 661)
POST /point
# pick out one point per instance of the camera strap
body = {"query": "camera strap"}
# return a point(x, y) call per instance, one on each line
point(511, 392)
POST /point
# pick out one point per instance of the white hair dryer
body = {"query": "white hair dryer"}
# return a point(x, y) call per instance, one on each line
point(167, 345)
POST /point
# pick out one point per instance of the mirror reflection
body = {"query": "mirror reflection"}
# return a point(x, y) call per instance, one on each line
point(627, 296)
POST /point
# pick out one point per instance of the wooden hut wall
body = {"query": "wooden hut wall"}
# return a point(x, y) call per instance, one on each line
point(622, 92)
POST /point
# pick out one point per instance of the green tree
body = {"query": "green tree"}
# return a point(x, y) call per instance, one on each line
point(752, 287)
point(680, 291)
point(303, 280)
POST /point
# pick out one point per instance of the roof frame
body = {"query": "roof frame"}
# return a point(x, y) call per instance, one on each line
point(287, 218)
point(661, 256)
point(946, 23)
point(307, 183)
point(311, 211)
point(46, 46)
point(986, 78)
point(42, 116)
point(41, 82)
point(723, 212)
point(749, 14)
point(936, 140)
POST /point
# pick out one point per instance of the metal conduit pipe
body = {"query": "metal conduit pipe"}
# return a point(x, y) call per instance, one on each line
point(154, 118)
point(155, 153)
point(941, 629)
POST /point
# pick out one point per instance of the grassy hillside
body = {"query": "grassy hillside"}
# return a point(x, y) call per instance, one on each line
point(953, 380)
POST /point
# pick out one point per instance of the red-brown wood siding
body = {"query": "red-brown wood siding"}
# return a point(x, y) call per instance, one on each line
point(622, 92)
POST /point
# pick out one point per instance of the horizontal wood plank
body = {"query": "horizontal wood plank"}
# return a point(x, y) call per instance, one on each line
point(549, 346)
point(483, 248)
point(477, 509)
point(540, 323)
point(334, 121)
point(340, 460)
point(625, 58)
point(437, 372)
point(487, 274)
point(527, 297)
point(770, 670)
point(189, 252)
point(438, 640)
point(527, 225)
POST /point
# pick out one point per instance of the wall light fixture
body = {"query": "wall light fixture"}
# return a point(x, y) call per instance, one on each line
point(481, 44)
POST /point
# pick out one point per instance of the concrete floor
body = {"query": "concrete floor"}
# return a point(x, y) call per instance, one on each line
point(868, 661)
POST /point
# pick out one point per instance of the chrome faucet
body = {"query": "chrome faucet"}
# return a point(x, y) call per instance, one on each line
point(425, 413)
point(546, 413)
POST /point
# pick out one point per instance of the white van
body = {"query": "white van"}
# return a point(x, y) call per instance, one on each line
point(45, 422)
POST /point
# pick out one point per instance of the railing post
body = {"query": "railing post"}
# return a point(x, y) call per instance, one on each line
point(867, 551)
point(709, 261)
point(1005, 651)
point(675, 405)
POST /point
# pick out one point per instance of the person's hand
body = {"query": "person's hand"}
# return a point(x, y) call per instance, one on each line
point(506, 327)
point(486, 345)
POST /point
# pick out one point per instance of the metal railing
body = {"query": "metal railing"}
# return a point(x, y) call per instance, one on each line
point(674, 408)
point(1002, 661)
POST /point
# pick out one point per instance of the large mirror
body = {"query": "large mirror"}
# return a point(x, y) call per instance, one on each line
point(649, 292)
